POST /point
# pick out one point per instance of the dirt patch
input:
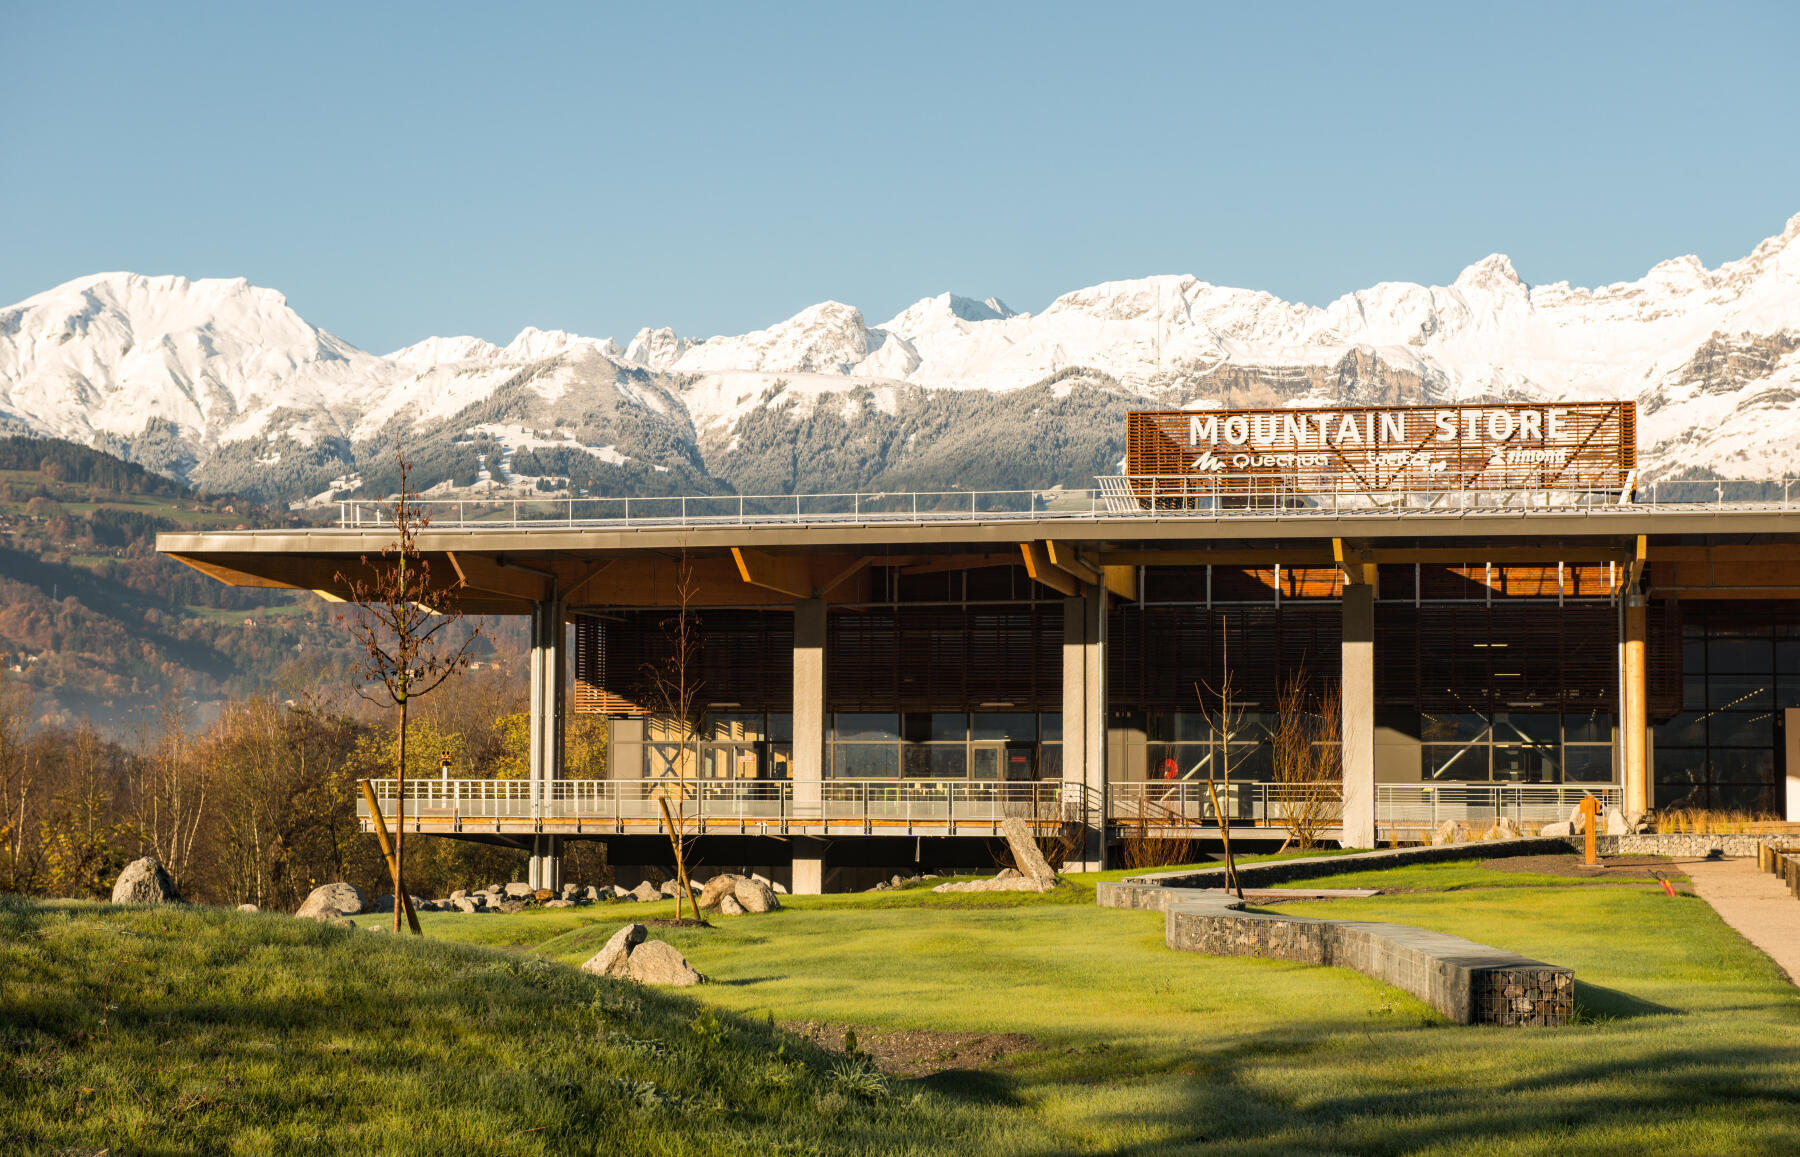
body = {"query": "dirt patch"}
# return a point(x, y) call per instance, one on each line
point(669, 922)
point(1572, 865)
point(916, 1052)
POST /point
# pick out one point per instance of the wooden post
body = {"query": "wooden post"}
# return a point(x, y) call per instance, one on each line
point(1590, 812)
point(681, 878)
point(387, 851)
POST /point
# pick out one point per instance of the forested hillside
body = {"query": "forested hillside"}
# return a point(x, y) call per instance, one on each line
point(96, 625)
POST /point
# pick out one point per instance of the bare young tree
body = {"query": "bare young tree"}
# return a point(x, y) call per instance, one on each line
point(406, 621)
point(1225, 719)
point(1306, 758)
point(19, 794)
point(170, 794)
point(674, 685)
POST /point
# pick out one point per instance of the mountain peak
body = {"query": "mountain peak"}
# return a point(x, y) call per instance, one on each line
point(1495, 271)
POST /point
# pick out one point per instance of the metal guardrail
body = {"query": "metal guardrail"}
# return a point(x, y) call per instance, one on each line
point(1116, 496)
point(739, 806)
point(1161, 803)
point(1425, 805)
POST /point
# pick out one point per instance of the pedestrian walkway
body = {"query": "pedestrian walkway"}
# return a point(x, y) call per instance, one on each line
point(1755, 903)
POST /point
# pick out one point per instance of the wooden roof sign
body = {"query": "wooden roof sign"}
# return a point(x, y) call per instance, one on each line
point(1585, 446)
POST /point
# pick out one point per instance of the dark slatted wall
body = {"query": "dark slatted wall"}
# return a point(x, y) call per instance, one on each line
point(1480, 658)
point(1163, 657)
point(945, 659)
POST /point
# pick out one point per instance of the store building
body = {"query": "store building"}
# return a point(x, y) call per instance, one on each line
point(1480, 610)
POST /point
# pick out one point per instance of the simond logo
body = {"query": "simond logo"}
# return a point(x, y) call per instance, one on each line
point(1207, 463)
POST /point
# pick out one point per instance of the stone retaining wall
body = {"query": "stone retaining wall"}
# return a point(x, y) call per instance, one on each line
point(1679, 845)
point(1468, 982)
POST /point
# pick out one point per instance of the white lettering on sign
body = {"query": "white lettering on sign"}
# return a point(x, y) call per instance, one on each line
point(1326, 428)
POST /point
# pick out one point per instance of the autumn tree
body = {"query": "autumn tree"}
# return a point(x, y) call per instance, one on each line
point(408, 623)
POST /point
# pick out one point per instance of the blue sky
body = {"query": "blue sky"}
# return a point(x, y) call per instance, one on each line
point(447, 169)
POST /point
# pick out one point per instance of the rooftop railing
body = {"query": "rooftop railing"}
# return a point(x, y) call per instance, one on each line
point(1116, 497)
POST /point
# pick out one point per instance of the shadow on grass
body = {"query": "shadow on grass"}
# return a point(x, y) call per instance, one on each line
point(973, 1087)
point(1596, 1000)
point(1252, 1102)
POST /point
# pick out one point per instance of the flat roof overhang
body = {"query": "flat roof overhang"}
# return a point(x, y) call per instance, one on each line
point(506, 568)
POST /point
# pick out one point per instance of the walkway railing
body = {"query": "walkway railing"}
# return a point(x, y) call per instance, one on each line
point(1160, 803)
point(1426, 805)
point(754, 807)
point(1115, 496)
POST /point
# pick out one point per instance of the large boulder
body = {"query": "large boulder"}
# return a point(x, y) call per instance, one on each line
point(755, 896)
point(717, 889)
point(329, 901)
point(1616, 824)
point(144, 882)
point(646, 893)
point(1025, 851)
point(612, 960)
point(517, 891)
point(464, 904)
point(657, 962)
point(248, 908)
point(1556, 830)
point(1445, 834)
point(728, 906)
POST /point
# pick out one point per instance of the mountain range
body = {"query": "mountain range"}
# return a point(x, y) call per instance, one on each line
point(222, 385)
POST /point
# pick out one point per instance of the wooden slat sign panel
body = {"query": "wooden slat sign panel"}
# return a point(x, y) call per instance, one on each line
point(1590, 446)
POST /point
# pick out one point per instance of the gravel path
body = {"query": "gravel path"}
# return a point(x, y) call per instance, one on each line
point(1756, 903)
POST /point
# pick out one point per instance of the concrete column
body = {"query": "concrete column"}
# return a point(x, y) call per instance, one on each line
point(808, 766)
point(1084, 714)
point(809, 866)
point(1359, 716)
point(1634, 764)
point(546, 735)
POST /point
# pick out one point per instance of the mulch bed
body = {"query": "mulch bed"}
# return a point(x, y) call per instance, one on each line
point(916, 1052)
point(670, 922)
point(1573, 865)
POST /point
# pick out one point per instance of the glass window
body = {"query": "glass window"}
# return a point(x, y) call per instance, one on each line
point(1050, 727)
point(1693, 692)
point(1787, 656)
point(1180, 761)
point(938, 728)
point(1742, 691)
point(736, 727)
point(992, 725)
point(867, 727)
point(1685, 730)
point(1787, 692)
point(1675, 765)
point(1741, 729)
point(1519, 764)
point(1587, 764)
point(1746, 766)
point(1455, 762)
point(1252, 761)
point(1050, 764)
point(1739, 797)
point(1514, 727)
point(781, 728)
point(1594, 727)
point(935, 760)
point(1757, 655)
point(1693, 656)
point(1452, 728)
point(865, 760)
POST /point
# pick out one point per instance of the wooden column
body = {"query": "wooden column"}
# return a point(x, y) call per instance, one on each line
point(808, 765)
point(1359, 715)
point(1633, 722)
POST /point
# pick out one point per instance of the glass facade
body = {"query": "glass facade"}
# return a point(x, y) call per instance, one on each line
point(1525, 747)
point(1723, 749)
point(994, 745)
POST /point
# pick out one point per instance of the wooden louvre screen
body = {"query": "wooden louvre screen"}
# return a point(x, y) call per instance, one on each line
point(746, 657)
point(1480, 658)
point(592, 694)
point(945, 659)
point(1163, 658)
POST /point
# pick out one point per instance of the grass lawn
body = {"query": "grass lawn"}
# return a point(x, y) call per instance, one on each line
point(1687, 1041)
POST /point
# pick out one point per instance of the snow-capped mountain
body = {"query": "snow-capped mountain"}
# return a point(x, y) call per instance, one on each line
point(223, 382)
